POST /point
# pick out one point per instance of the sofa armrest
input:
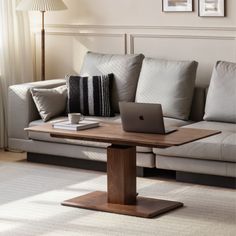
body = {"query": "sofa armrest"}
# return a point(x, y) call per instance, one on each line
point(21, 107)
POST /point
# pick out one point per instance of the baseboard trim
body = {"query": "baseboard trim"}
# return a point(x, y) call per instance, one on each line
point(204, 179)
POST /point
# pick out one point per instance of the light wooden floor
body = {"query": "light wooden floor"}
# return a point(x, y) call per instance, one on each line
point(11, 156)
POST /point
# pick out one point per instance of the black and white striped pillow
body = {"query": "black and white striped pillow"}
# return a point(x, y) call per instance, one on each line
point(90, 95)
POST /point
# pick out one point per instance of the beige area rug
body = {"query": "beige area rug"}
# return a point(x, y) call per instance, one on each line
point(30, 197)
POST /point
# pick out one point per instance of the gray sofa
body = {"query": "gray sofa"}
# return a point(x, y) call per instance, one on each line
point(215, 155)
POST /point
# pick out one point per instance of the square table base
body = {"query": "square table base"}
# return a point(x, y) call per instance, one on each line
point(143, 207)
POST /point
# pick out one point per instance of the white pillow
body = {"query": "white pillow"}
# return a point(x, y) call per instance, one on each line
point(170, 83)
point(221, 97)
point(50, 102)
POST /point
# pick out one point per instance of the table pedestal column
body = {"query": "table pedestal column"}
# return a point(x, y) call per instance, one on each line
point(121, 175)
point(121, 197)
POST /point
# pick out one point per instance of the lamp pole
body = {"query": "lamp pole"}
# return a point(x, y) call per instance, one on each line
point(42, 6)
point(43, 48)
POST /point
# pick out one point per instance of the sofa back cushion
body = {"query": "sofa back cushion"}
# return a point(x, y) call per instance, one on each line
point(170, 83)
point(221, 97)
point(125, 68)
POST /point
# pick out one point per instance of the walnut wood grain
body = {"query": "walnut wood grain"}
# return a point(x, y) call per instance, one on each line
point(121, 197)
point(121, 174)
point(113, 133)
point(144, 207)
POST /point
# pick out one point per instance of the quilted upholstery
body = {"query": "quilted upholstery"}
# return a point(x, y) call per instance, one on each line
point(170, 83)
point(221, 97)
point(221, 147)
point(126, 69)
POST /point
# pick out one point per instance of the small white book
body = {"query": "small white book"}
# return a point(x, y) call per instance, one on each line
point(82, 125)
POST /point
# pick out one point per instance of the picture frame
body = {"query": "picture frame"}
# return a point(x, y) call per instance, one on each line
point(211, 8)
point(177, 5)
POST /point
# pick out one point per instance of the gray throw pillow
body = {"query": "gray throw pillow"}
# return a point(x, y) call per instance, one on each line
point(221, 97)
point(125, 68)
point(170, 83)
point(50, 102)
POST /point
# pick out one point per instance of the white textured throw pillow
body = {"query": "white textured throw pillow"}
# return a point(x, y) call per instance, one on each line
point(170, 83)
point(50, 102)
point(221, 97)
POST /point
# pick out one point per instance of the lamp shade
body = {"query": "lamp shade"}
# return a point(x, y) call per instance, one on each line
point(41, 5)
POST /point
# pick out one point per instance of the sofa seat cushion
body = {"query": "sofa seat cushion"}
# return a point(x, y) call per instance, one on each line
point(81, 152)
point(171, 122)
point(116, 119)
point(221, 147)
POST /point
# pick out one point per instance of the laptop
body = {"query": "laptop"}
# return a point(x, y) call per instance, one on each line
point(143, 118)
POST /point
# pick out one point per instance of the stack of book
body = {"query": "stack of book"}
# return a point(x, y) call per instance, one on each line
point(82, 125)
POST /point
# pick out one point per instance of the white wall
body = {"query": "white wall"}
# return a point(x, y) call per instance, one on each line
point(134, 26)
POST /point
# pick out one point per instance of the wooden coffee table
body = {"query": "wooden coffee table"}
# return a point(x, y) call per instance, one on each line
point(121, 196)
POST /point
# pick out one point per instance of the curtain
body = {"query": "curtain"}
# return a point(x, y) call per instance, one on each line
point(16, 60)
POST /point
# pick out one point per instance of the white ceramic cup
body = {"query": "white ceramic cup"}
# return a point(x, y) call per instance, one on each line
point(75, 118)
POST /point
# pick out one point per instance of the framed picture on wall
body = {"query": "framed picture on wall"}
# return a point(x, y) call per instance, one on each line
point(177, 5)
point(211, 8)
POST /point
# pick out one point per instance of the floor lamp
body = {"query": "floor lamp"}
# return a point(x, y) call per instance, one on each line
point(43, 6)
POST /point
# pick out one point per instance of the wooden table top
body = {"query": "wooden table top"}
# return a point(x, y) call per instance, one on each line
point(113, 133)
